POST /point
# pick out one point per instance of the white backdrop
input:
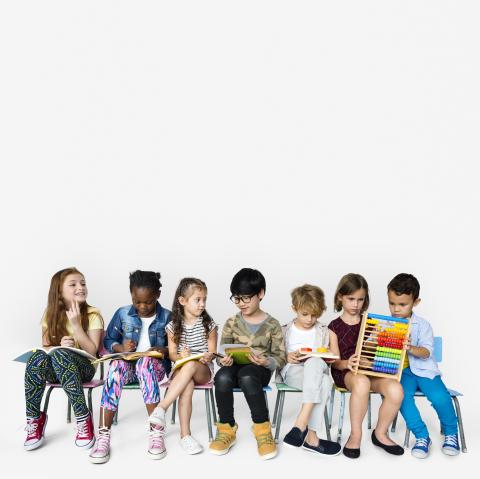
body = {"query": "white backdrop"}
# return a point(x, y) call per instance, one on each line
point(306, 139)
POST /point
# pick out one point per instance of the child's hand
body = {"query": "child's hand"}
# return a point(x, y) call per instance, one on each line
point(163, 351)
point(329, 360)
point(129, 345)
point(226, 361)
point(292, 357)
point(73, 314)
point(184, 353)
point(408, 343)
point(259, 360)
point(207, 358)
point(353, 362)
point(67, 341)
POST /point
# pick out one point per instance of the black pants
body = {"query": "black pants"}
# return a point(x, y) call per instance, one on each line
point(251, 379)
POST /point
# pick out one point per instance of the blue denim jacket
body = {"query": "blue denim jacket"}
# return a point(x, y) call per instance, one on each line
point(126, 324)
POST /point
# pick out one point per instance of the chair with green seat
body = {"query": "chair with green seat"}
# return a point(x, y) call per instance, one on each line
point(282, 388)
point(438, 356)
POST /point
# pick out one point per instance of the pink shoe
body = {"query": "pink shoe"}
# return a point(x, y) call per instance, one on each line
point(101, 452)
point(35, 432)
point(156, 442)
point(85, 434)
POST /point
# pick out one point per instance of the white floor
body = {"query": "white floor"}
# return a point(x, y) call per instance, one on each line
point(129, 438)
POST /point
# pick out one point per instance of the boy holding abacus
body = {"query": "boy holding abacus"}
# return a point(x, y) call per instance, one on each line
point(421, 371)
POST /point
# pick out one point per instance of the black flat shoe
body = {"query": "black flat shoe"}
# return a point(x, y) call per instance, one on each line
point(395, 450)
point(351, 453)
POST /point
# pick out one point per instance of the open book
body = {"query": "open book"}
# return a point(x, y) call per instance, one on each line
point(24, 357)
point(239, 352)
point(180, 362)
point(129, 356)
point(324, 353)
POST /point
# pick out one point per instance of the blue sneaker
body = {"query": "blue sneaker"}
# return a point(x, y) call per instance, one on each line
point(450, 446)
point(421, 448)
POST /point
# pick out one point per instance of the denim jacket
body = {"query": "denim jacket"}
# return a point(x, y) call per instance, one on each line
point(126, 324)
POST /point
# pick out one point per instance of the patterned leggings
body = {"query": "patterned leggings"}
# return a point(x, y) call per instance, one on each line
point(149, 372)
point(62, 366)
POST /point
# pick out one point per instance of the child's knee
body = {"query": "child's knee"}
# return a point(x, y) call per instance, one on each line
point(440, 399)
point(360, 385)
point(394, 391)
point(223, 381)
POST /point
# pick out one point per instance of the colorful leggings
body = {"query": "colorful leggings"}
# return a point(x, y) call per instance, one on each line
point(148, 372)
point(62, 366)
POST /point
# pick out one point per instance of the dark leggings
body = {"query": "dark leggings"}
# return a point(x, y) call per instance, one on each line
point(251, 379)
point(62, 366)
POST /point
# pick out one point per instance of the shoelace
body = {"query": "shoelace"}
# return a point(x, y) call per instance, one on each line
point(422, 442)
point(31, 427)
point(190, 442)
point(451, 440)
point(223, 437)
point(156, 436)
point(265, 438)
point(103, 440)
point(82, 428)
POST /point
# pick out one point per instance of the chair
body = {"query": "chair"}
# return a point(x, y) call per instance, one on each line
point(90, 385)
point(437, 354)
point(282, 388)
point(209, 403)
point(343, 392)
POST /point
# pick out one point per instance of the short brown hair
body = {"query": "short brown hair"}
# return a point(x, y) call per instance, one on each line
point(350, 283)
point(309, 298)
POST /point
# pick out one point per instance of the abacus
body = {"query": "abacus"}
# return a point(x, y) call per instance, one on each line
point(381, 346)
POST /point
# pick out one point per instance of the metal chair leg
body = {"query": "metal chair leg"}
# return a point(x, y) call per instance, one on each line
point(394, 423)
point(327, 429)
point(115, 417)
point(279, 414)
point(266, 403)
point(330, 409)
point(174, 410)
point(275, 411)
point(89, 395)
point(460, 424)
point(369, 412)
point(407, 438)
point(340, 418)
point(47, 399)
point(209, 417)
point(213, 405)
point(69, 412)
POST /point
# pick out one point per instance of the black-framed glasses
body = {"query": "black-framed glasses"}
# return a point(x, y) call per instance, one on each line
point(244, 298)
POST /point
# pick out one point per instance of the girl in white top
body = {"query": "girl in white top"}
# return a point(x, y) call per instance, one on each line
point(190, 332)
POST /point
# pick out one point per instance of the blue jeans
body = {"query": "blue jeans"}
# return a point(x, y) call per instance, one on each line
point(436, 392)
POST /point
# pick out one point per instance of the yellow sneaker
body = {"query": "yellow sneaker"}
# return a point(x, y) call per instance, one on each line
point(224, 439)
point(265, 443)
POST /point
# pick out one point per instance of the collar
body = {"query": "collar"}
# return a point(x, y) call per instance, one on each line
point(133, 312)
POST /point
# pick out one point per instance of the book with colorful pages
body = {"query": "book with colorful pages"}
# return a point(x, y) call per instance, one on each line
point(323, 353)
point(130, 356)
point(25, 356)
point(239, 352)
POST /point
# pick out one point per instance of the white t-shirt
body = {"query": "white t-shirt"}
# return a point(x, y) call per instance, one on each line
point(300, 338)
point(144, 341)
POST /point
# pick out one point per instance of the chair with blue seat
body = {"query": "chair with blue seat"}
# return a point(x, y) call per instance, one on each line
point(282, 388)
point(438, 354)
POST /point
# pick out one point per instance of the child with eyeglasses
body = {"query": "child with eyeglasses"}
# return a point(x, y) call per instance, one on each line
point(257, 329)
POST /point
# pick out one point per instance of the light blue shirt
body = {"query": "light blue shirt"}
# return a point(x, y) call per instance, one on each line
point(422, 337)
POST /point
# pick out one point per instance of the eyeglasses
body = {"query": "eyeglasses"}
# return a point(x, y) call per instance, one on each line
point(244, 298)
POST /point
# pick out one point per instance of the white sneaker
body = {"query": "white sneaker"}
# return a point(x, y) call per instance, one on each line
point(190, 445)
point(158, 417)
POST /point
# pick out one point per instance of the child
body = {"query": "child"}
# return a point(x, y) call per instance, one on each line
point(312, 376)
point(421, 371)
point(67, 321)
point(257, 329)
point(191, 331)
point(136, 327)
point(351, 297)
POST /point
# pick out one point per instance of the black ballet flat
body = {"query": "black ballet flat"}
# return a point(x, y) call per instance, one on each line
point(351, 453)
point(395, 450)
